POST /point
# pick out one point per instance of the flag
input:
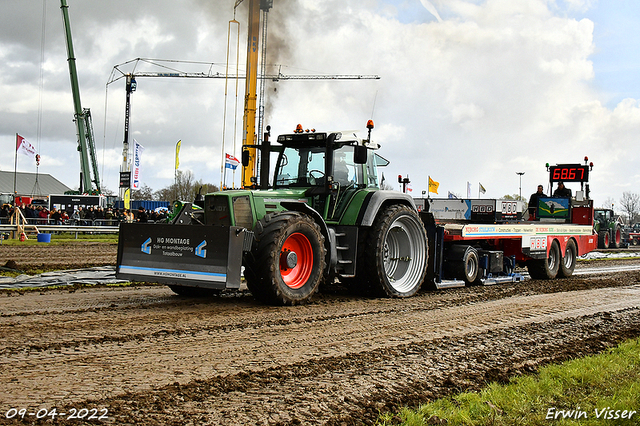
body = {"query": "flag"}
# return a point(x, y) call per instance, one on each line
point(468, 189)
point(481, 188)
point(409, 189)
point(178, 153)
point(231, 162)
point(135, 174)
point(24, 147)
point(127, 198)
point(433, 185)
point(452, 195)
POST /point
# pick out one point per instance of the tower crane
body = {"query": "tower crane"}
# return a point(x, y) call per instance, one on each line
point(255, 45)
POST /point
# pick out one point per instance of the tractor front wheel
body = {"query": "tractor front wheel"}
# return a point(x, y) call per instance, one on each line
point(396, 253)
point(289, 260)
point(617, 237)
point(603, 239)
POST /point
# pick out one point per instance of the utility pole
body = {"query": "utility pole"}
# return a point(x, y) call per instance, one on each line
point(520, 188)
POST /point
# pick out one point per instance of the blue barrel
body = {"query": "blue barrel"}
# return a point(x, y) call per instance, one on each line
point(44, 238)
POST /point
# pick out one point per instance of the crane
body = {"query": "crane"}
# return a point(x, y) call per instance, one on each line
point(82, 118)
point(251, 78)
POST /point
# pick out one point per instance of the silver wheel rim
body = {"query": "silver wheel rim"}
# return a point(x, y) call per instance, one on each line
point(553, 258)
point(472, 266)
point(568, 258)
point(404, 254)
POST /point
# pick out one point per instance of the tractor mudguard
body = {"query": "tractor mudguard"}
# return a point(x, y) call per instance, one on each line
point(376, 200)
point(193, 256)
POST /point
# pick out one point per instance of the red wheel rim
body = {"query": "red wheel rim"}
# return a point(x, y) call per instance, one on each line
point(297, 276)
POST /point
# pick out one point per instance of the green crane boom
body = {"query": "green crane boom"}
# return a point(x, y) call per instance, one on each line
point(82, 117)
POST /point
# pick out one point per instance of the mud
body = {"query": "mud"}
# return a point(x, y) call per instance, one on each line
point(42, 257)
point(147, 356)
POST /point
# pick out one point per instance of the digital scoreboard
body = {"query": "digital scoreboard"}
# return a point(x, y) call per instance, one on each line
point(569, 173)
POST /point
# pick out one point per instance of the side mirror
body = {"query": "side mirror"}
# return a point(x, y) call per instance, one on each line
point(245, 158)
point(360, 154)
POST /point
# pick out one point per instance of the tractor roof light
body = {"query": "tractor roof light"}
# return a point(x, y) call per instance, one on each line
point(370, 124)
point(591, 165)
point(298, 129)
point(547, 165)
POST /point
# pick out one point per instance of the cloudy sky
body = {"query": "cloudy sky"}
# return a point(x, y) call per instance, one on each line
point(470, 90)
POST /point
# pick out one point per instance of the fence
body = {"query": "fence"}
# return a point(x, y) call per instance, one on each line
point(16, 230)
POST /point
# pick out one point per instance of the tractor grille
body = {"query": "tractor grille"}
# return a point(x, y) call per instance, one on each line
point(242, 212)
point(218, 213)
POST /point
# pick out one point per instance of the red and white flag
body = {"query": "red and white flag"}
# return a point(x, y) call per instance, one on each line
point(231, 162)
point(24, 147)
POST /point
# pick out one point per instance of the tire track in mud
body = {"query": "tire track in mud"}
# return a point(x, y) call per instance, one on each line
point(99, 368)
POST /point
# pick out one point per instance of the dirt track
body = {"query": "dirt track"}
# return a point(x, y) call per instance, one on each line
point(149, 357)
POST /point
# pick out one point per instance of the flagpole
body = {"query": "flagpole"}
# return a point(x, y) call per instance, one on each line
point(15, 168)
point(175, 173)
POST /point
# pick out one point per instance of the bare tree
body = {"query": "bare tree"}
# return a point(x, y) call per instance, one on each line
point(144, 193)
point(630, 204)
point(184, 188)
point(608, 203)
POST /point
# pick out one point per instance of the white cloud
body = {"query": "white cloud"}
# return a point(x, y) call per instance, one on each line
point(491, 88)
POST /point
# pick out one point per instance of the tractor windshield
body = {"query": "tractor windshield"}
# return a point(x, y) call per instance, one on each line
point(302, 166)
point(305, 166)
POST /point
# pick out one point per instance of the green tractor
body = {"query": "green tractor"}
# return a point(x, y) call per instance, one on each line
point(323, 217)
point(608, 228)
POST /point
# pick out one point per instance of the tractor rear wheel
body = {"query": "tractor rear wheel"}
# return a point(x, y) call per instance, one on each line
point(603, 239)
point(547, 268)
point(568, 263)
point(396, 253)
point(617, 237)
point(289, 260)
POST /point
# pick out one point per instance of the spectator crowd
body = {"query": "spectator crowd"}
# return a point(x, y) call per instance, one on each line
point(82, 216)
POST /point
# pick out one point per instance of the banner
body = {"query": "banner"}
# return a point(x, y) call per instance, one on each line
point(178, 153)
point(231, 162)
point(127, 199)
point(433, 185)
point(135, 173)
point(24, 147)
point(468, 189)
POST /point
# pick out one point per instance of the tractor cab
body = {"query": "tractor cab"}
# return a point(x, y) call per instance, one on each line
point(332, 166)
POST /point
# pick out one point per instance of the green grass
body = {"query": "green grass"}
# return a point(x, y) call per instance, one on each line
point(610, 379)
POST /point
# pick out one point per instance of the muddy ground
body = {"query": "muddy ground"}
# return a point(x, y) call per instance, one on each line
point(32, 259)
point(142, 355)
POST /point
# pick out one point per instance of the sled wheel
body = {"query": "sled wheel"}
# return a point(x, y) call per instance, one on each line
point(463, 263)
point(396, 255)
point(289, 260)
point(546, 269)
point(569, 259)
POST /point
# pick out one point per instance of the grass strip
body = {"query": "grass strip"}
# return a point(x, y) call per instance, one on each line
point(596, 390)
